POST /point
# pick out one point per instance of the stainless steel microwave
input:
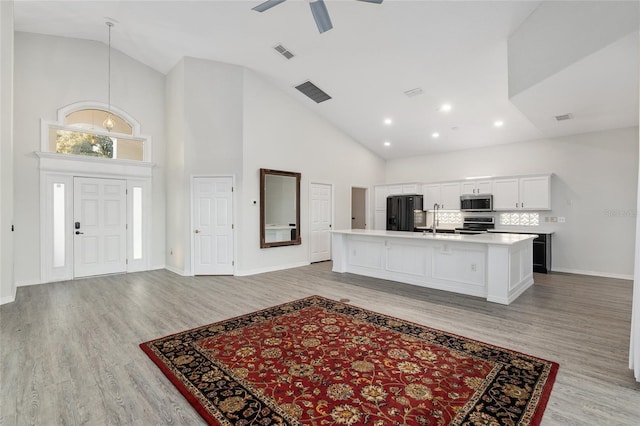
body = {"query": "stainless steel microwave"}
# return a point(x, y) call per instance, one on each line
point(476, 202)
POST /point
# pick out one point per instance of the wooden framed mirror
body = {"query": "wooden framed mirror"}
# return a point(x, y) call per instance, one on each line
point(279, 208)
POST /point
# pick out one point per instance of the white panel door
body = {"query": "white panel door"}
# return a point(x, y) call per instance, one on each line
point(100, 228)
point(321, 211)
point(213, 225)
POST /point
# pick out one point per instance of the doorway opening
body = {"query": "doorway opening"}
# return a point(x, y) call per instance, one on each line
point(358, 208)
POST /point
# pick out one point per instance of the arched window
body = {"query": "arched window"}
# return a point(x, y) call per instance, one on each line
point(79, 131)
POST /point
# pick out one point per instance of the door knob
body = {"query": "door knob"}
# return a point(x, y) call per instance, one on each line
point(197, 231)
point(78, 232)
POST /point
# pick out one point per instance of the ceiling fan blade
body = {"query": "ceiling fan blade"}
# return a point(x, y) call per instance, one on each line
point(321, 15)
point(267, 5)
point(372, 1)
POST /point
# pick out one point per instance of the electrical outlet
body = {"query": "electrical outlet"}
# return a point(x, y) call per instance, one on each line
point(474, 267)
point(553, 219)
point(561, 219)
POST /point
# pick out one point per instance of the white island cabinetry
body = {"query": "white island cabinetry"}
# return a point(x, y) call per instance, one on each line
point(497, 267)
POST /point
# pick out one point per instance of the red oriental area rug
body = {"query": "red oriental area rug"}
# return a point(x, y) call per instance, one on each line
point(319, 362)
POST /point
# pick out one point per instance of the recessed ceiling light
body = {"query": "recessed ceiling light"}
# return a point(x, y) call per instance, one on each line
point(388, 121)
point(387, 143)
point(498, 123)
point(435, 135)
point(445, 107)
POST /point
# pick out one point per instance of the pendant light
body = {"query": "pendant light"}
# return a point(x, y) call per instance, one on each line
point(108, 123)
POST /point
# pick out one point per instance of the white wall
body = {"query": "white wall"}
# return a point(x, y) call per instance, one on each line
point(594, 187)
point(52, 72)
point(205, 139)
point(175, 195)
point(281, 133)
point(7, 283)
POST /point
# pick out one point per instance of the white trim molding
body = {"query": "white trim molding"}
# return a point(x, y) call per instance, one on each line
point(62, 168)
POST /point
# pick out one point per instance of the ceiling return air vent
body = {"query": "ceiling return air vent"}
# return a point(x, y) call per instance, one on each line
point(313, 92)
point(284, 51)
point(564, 117)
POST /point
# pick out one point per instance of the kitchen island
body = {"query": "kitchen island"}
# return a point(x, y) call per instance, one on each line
point(497, 267)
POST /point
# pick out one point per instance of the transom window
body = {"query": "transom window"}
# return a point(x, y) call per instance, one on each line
point(80, 131)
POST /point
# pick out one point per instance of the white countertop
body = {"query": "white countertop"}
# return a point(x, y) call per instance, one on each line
point(494, 238)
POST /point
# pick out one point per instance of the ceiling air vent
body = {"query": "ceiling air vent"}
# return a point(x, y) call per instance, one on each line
point(564, 117)
point(284, 51)
point(414, 92)
point(313, 92)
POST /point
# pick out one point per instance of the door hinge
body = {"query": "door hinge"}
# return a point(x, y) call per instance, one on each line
point(233, 226)
point(126, 226)
point(233, 263)
point(126, 261)
point(232, 189)
point(126, 192)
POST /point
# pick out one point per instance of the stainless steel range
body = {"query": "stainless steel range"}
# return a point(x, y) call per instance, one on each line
point(476, 225)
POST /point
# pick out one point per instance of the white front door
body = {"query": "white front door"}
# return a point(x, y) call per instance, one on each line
point(100, 227)
point(212, 225)
point(320, 222)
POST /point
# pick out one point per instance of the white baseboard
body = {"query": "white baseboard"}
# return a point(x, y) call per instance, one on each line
point(593, 273)
point(176, 271)
point(158, 267)
point(10, 298)
point(30, 282)
point(246, 272)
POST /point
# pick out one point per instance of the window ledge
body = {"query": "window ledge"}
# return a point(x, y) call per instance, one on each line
point(69, 163)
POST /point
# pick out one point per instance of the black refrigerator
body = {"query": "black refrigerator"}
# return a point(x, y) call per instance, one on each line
point(401, 211)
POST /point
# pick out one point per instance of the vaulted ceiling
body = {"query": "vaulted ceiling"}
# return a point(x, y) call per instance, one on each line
point(454, 52)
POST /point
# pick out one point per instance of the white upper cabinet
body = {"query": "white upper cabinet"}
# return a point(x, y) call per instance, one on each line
point(524, 193)
point(506, 194)
point(535, 193)
point(445, 195)
point(430, 196)
point(404, 188)
point(411, 188)
point(476, 187)
point(450, 196)
point(394, 189)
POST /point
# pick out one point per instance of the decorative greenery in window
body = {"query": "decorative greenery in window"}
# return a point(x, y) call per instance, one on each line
point(79, 143)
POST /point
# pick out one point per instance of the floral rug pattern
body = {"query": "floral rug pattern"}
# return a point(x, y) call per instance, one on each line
point(319, 362)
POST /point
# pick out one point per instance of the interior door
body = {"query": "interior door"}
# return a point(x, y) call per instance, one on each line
point(358, 208)
point(100, 228)
point(321, 212)
point(213, 225)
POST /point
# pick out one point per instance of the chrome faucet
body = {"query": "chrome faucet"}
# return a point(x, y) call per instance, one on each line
point(434, 226)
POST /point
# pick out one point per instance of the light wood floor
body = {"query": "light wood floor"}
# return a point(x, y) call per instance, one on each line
point(70, 355)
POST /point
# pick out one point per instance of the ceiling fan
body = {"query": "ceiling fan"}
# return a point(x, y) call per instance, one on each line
point(318, 9)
